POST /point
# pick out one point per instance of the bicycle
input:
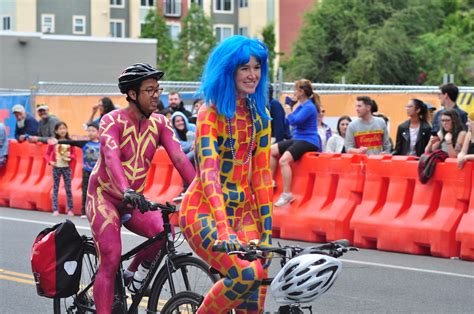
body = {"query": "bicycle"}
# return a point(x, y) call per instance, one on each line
point(179, 272)
point(292, 300)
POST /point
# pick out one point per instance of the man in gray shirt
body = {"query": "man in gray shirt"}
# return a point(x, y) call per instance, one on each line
point(367, 134)
point(46, 125)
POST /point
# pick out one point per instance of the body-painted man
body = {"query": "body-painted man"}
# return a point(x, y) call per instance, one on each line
point(128, 138)
point(230, 199)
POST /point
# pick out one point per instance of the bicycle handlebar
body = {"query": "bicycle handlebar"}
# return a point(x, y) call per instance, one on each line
point(167, 208)
point(252, 251)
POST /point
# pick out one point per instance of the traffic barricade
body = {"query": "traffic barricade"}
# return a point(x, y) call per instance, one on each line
point(8, 173)
point(27, 197)
point(334, 188)
point(465, 231)
point(399, 213)
point(159, 177)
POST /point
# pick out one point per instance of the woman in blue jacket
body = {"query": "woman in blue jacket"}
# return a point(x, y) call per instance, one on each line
point(304, 121)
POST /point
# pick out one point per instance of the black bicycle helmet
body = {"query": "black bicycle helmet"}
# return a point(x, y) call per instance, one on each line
point(135, 74)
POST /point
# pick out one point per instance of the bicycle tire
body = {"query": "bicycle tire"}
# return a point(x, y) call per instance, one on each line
point(194, 269)
point(183, 302)
point(73, 304)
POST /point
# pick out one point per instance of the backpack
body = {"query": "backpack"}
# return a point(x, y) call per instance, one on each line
point(56, 260)
point(427, 164)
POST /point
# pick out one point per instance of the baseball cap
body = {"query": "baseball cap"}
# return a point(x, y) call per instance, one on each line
point(42, 107)
point(18, 108)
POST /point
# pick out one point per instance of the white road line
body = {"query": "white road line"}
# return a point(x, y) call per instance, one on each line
point(408, 268)
point(49, 223)
point(344, 260)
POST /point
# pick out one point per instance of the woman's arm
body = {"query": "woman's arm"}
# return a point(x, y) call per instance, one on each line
point(262, 180)
point(301, 114)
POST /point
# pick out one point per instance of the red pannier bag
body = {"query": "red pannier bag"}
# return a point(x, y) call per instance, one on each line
point(56, 260)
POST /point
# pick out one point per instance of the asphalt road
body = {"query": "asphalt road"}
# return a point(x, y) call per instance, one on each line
point(371, 281)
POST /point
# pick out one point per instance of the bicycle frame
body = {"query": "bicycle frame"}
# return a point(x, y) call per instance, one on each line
point(168, 252)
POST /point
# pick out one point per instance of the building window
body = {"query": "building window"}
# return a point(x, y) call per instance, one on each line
point(222, 32)
point(196, 2)
point(79, 24)
point(223, 6)
point(147, 3)
point(47, 23)
point(172, 7)
point(174, 29)
point(244, 31)
point(117, 3)
point(117, 28)
point(243, 3)
point(6, 23)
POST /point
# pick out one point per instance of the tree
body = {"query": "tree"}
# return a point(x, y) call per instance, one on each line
point(268, 34)
point(155, 27)
point(196, 41)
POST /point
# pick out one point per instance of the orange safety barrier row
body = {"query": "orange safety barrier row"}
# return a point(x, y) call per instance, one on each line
point(375, 202)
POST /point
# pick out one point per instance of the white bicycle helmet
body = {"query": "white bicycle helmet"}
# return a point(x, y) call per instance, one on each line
point(304, 278)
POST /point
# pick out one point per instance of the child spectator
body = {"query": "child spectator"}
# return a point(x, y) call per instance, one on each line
point(59, 156)
point(90, 155)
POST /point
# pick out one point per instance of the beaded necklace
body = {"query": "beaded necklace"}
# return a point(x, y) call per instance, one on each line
point(250, 105)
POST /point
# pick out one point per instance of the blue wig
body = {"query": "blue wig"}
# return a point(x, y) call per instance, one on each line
point(218, 83)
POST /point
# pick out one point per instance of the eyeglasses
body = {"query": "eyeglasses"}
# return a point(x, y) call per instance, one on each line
point(445, 120)
point(152, 91)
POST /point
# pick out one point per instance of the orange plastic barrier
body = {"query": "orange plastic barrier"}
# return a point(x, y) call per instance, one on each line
point(398, 213)
point(8, 173)
point(331, 193)
point(465, 231)
point(30, 194)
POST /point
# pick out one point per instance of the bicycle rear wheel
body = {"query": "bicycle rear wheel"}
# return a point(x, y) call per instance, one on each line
point(83, 300)
point(188, 274)
point(185, 302)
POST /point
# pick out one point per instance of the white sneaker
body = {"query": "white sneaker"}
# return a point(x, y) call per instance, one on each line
point(285, 198)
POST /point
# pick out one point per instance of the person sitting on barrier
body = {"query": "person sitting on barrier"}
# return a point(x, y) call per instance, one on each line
point(367, 134)
point(414, 134)
point(129, 138)
point(303, 119)
point(104, 106)
point(467, 150)
point(230, 198)
point(3, 145)
point(450, 137)
point(336, 142)
point(324, 130)
point(60, 157)
point(26, 125)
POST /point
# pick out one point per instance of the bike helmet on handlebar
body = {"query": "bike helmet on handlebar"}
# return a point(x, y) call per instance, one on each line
point(304, 278)
point(131, 78)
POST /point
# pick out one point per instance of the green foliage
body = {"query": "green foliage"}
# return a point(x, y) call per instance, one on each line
point(196, 41)
point(155, 27)
point(268, 34)
point(385, 42)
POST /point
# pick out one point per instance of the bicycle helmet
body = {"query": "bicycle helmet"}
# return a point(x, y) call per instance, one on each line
point(131, 78)
point(304, 278)
point(135, 74)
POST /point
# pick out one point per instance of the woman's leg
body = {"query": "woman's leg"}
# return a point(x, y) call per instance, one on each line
point(85, 184)
point(285, 162)
point(242, 278)
point(274, 155)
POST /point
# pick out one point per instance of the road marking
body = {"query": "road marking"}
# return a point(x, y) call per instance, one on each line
point(20, 280)
point(436, 272)
point(14, 273)
point(49, 223)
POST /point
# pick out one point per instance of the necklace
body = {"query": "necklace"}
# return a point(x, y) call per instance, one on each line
point(250, 105)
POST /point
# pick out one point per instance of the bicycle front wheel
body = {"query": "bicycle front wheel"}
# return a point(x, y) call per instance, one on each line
point(185, 302)
point(83, 300)
point(188, 273)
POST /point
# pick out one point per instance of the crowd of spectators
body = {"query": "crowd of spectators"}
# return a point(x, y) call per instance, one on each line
point(298, 127)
